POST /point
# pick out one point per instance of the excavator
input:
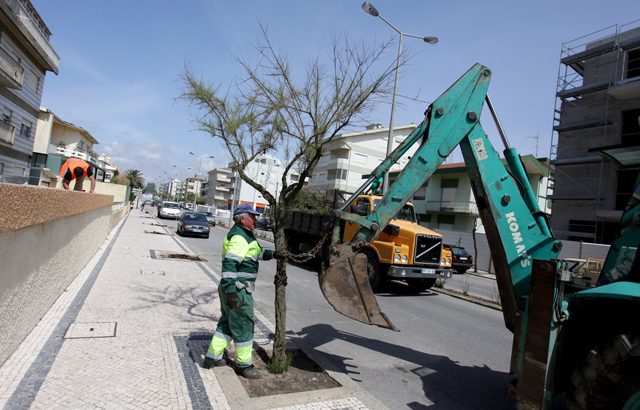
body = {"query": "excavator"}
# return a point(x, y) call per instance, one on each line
point(572, 344)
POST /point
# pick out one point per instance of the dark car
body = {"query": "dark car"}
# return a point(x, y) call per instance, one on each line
point(193, 223)
point(264, 224)
point(210, 217)
point(461, 259)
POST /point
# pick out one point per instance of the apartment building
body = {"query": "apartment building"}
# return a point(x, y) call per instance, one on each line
point(193, 186)
point(350, 156)
point(57, 140)
point(446, 201)
point(25, 58)
point(597, 106)
point(219, 187)
point(225, 187)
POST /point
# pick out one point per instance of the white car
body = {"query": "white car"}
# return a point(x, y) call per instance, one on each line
point(168, 209)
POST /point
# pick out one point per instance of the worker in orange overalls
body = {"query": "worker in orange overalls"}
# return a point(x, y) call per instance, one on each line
point(75, 168)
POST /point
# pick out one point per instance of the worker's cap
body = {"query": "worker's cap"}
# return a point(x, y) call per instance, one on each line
point(245, 209)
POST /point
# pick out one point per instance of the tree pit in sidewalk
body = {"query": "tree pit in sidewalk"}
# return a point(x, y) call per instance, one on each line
point(302, 375)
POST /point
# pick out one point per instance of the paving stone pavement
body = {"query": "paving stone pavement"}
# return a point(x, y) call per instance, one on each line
point(129, 333)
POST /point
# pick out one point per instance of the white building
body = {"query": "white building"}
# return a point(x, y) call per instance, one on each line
point(25, 57)
point(351, 156)
point(446, 201)
point(110, 168)
point(219, 187)
point(194, 186)
point(226, 187)
point(56, 140)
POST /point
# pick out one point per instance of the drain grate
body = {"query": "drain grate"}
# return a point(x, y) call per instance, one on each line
point(175, 256)
point(91, 330)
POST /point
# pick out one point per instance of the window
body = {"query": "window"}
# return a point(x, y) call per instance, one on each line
point(633, 63)
point(32, 80)
point(630, 127)
point(446, 221)
point(295, 177)
point(333, 174)
point(25, 130)
point(361, 207)
point(7, 130)
point(340, 154)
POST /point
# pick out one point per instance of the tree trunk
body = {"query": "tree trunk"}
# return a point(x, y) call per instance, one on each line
point(280, 280)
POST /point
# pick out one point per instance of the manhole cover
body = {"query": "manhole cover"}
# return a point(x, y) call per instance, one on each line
point(176, 256)
point(91, 330)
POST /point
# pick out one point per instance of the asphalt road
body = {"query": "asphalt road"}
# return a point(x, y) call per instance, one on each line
point(449, 354)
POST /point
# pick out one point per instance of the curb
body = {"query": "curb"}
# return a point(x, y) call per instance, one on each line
point(469, 298)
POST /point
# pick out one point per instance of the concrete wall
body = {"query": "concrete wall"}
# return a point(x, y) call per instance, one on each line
point(570, 249)
point(47, 236)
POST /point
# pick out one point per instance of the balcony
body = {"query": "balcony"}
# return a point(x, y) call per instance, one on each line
point(11, 72)
point(469, 208)
point(34, 31)
point(7, 132)
point(70, 152)
point(222, 189)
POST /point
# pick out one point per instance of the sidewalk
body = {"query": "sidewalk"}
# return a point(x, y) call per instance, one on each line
point(130, 332)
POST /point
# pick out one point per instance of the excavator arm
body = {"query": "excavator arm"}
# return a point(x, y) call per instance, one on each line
point(516, 229)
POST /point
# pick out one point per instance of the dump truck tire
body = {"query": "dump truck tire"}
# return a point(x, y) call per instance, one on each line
point(374, 271)
point(608, 376)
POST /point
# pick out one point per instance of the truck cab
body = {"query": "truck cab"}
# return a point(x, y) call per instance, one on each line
point(404, 249)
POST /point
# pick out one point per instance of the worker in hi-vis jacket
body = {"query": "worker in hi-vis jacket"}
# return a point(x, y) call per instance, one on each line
point(240, 255)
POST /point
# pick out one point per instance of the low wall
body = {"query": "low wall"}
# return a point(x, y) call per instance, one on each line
point(570, 249)
point(47, 236)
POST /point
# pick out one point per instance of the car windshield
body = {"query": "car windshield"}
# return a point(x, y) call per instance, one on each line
point(209, 214)
point(189, 216)
point(170, 205)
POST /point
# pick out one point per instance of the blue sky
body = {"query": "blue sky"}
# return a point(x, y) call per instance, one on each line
point(121, 62)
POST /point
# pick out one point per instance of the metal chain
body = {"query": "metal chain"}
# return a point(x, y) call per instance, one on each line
point(307, 256)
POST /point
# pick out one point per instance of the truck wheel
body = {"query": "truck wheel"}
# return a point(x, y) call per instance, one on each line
point(609, 376)
point(420, 285)
point(373, 270)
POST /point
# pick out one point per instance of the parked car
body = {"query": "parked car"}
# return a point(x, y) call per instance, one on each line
point(461, 259)
point(264, 224)
point(193, 223)
point(168, 209)
point(210, 217)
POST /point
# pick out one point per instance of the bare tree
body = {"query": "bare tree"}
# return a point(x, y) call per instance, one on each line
point(270, 111)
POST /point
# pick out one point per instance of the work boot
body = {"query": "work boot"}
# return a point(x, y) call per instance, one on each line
point(208, 363)
point(250, 372)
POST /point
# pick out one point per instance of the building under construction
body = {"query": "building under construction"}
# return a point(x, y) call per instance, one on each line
point(597, 109)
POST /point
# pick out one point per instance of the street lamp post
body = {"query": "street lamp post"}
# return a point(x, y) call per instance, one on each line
point(370, 9)
point(201, 157)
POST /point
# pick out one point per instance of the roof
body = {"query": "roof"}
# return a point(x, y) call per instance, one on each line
point(67, 124)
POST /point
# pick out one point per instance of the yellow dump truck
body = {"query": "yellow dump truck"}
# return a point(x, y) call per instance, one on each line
point(404, 250)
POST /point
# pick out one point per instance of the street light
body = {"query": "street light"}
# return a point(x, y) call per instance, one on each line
point(201, 157)
point(371, 10)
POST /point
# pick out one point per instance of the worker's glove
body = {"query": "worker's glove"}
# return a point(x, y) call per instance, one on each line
point(232, 300)
point(267, 254)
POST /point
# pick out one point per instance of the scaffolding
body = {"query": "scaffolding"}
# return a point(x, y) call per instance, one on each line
point(595, 72)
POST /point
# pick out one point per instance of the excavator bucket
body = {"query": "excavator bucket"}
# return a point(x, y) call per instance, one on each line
point(345, 285)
